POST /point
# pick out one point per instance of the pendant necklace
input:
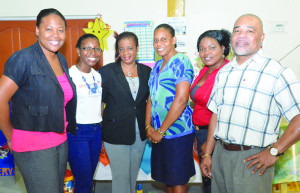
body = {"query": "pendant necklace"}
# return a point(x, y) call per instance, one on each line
point(132, 81)
point(93, 90)
point(132, 85)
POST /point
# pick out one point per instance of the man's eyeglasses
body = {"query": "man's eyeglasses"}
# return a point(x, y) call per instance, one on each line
point(89, 49)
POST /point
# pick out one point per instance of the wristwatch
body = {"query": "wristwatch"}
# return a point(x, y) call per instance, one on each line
point(274, 151)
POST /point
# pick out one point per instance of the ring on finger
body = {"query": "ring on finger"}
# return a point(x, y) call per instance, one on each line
point(259, 165)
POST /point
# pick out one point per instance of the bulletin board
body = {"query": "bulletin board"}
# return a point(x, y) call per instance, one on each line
point(144, 31)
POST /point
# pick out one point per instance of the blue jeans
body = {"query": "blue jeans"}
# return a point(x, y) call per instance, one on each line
point(84, 152)
point(201, 136)
point(43, 170)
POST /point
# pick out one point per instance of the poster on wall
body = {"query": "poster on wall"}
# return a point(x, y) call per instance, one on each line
point(179, 25)
point(287, 167)
point(144, 31)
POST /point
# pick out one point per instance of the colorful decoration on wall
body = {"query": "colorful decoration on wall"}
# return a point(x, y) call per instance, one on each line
point(287, 167)
point(101, 30)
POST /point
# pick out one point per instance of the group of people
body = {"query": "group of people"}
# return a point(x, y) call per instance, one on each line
point(61, 114)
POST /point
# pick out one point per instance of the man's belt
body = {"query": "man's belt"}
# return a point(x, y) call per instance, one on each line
point(235, 147)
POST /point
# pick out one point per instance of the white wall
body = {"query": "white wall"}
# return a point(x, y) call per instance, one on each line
point(216, 14)
point(201, 16)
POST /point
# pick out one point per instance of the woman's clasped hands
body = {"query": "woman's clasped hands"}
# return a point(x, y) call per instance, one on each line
point(153, 135)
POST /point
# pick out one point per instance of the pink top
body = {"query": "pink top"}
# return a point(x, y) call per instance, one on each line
point(23, 141)
point(201, 115)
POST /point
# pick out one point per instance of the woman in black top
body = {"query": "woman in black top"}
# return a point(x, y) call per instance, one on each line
point(125, 93)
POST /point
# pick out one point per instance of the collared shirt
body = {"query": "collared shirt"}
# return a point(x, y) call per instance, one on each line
point(162, 93)
point(250, 98)
point(201, 115)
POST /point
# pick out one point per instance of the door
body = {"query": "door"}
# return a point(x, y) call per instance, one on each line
point(16, 35)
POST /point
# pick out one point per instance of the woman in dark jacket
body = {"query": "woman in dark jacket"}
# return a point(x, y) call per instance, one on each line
point(125, 93)
point(43, 106)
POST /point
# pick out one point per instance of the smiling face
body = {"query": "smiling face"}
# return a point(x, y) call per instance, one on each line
point(164, 43)
point(247, 37)
point(128, 50)
point(51, 33)
point(211, 52)
point(89, 57)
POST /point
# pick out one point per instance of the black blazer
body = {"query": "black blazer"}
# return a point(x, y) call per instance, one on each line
point(118, 125)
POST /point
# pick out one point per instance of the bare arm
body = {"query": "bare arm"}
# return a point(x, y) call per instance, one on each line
point(148, 119)
point(102, 108)
point(148, 112)
point(176, 109)
point(264, 159)
point(290, 136)
point(210, 145)
point(7, 89)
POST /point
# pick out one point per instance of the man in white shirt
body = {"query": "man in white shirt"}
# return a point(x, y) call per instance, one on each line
point(250, 95)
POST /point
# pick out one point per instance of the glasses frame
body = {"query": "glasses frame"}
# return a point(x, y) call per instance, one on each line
point(89, 49)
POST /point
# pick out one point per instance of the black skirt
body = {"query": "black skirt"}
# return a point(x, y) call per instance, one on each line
point(172, 161)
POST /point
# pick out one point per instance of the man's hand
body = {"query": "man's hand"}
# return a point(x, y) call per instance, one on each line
point(262, 160)
point(205, 166)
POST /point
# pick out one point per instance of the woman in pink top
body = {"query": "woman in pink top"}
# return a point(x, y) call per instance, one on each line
point(43, 96)
point(213, 47)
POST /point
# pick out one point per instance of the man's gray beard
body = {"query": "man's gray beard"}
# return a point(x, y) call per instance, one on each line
point(240, 52)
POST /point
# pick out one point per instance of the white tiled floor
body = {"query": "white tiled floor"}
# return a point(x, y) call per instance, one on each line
point(8, 185)
point(148, 186)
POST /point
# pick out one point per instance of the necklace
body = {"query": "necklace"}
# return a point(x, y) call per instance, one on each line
point(125, 68)
point(129, 74)
point(132, 82)
point(93, 90)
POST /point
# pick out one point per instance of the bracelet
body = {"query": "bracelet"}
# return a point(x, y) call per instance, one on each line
point(205, 155)
point(161, 133)
point(147, 127)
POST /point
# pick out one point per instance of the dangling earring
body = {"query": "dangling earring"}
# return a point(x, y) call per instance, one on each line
point(261, 45)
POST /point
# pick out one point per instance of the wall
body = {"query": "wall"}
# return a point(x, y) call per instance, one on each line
point(201, 16)
point(222, 14)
